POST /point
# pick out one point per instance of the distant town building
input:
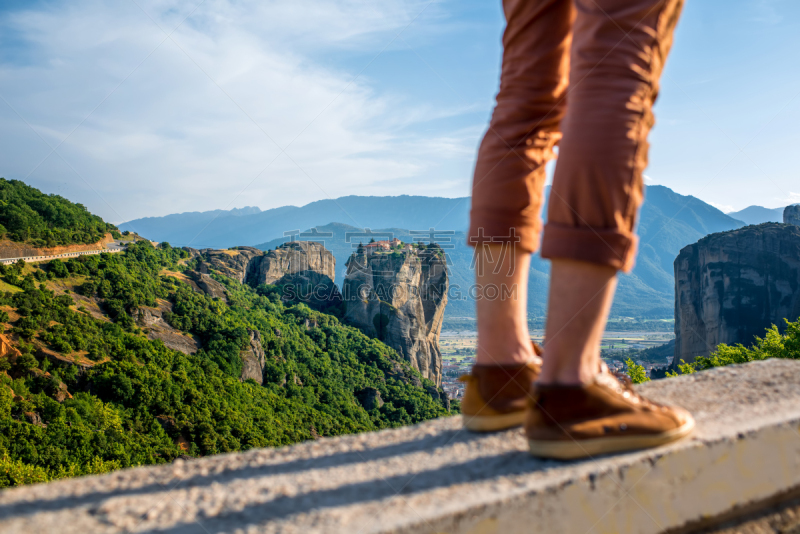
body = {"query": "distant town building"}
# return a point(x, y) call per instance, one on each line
point(384, 245)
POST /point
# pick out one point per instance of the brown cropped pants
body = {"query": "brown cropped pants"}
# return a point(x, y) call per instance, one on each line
point(582, 74)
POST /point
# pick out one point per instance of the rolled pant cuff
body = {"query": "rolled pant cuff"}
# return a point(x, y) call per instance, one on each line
point(502, 228)
point(611, 248)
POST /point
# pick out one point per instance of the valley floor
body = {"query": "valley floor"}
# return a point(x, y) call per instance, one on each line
point(458, 352)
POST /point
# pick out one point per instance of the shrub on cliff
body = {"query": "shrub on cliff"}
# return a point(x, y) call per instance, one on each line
point(636, 372)
point(772, 345)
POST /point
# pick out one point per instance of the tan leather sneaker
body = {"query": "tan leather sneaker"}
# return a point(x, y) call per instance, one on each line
point(567, 422)
point(495, 396)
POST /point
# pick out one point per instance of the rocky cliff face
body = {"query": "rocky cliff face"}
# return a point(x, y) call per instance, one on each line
point(7, 350)
point(306, 269)
point(731, 286)
point(253, 359)
point(151, 320)
point(208, 285)
point(399, 298)
point(791, 215)
point(235, 263)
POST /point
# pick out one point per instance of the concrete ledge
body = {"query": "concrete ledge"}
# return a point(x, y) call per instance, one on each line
point(436, 478)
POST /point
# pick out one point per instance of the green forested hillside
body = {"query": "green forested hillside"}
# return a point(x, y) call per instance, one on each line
point(88, 392)
point(28, 215)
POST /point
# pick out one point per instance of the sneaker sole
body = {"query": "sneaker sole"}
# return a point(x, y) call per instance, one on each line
point(493, 423)
point(570, 450)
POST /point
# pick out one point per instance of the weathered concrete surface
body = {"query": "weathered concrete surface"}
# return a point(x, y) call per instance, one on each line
point(780, 519)
point(437, 478)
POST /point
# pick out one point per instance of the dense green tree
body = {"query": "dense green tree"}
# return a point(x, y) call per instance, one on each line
point(28, 215)
point(134, 401)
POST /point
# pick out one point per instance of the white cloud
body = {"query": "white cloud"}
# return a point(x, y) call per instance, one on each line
point(791, 198)
point(722, 207)
point(197, 123)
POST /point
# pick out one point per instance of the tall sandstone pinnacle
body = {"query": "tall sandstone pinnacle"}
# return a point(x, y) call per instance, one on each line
point(399, 297)
point(791, 215)
point(731, 286)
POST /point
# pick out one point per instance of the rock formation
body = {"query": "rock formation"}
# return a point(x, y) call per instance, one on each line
point(791, 215)
point(731, 286)
point(209, 286)
point(34, 418)
point(153, 323)
point(7, 350)
point(399, 297)
point(236, 263)
point(439, 395)
point(305, 269)
point(370, 399)
point(253, 359)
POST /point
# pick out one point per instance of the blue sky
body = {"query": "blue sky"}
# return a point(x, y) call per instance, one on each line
point(163, 106)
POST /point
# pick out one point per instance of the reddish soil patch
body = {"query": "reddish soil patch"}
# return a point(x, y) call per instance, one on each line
point(12, 249)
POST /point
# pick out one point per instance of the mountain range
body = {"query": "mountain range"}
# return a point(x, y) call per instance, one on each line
point(668, 222)
point(758, 215)
point(220, 229)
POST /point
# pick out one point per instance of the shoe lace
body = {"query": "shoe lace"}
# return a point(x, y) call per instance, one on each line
point(626, 385)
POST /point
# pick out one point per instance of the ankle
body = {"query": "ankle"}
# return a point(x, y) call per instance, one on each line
point(569, 375)
point(505, 354)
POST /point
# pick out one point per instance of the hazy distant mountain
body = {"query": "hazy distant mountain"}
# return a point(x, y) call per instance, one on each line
point(668, 222)
point(758, 215)
point(218, 230)
point(186, 225)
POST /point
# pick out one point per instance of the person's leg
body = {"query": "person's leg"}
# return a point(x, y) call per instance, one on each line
point(506, 204)
point(501, 272)
point(619, 51)
point(510, 171)
point(580, 299)
point(616, 60)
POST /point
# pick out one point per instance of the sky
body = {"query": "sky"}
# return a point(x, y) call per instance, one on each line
point(142, 108)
